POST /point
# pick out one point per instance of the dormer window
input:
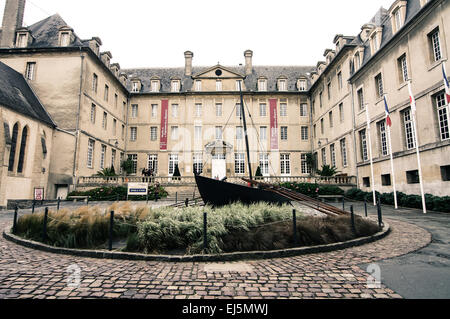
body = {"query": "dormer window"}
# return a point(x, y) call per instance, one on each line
point(175, 86)
point(155, 86)
point(262, 85)
point(282, 85)
point(398, 14)
point(302, 85)
point(22, 40)
point(375, 40)
point(65, 35)
point(136, 86)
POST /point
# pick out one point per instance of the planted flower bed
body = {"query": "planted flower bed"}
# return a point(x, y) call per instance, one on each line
point(180, 231)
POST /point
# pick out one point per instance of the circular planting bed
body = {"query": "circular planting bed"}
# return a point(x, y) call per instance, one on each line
point(177, 234)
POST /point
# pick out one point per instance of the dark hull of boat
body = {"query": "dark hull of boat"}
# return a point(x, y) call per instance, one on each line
point(217, 193)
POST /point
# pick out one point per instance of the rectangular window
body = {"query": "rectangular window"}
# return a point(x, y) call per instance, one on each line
point(435, 43)
point(263, 133)
point(198, 133)
point(175, 110)
point(386, 180)
point(173, 161)
point(90, 153)
point(361, 99)
point(442, 116)
point(134, 110)
point(106, 97)
point(283, 109)
point(218, 109)
point(93, 113)
point(114, 128)
point(174, 133)
point(105, 120)
point(219, 133)
point(333, 155)
point(303, 110)
point(324, 156)
point(409, 130)
point(239, 163)
point(383, 138)
point(123, 132)
point(304, 133)
point(152, 164)
point(135, 88)
point(445, 173)
point(133, 158)
point(379, 85)
point(29, 73)
point(198, 110)
point(322, 126)
point(218, 85)
point(366, 181)
point(262, 109)
point(238, 110)
point(285, 161)
point(262, 85)
point(306, 169)
point(121, 160)
point(133, 134)
point(116, 100)
point(113, 158)
point(330, 117)
point(153, 133)
point(282, 85)
point(239, 133)
point(321, 99)
point(302, 84)
point(175, 86)
point(412, 177)
point(398, 19)
point(95, 83)
point(154, 110)
point(239, 85)
point(155, 86)
point(340, 83)
point(329, 90)
point(403, 68)
point(102, 157)
point(344, 152)
point(198, 85)
point(264, 164)
point(198, 163)
point(284, 133)
point(341, 112)
point(363, 141)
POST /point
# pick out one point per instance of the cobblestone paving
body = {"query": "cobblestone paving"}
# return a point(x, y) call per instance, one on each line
point(26, 273)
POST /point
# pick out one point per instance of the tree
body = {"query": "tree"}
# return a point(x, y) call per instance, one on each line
point(258, 173)
point(107, 172)
point(176, 172)
point(327, 171)
point(127, 166)
point(311, 161)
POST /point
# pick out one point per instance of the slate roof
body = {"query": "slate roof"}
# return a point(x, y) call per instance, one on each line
point(46, 33)
point(271, 73)
point(16, 94)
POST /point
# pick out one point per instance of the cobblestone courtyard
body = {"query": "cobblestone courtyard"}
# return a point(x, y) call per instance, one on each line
point(26, 273)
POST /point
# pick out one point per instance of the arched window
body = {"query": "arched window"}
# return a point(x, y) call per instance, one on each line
point(12, 154)
point(23, 146)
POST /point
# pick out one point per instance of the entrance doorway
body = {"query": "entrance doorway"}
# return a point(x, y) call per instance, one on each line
point(219, 167)
point(62, 191)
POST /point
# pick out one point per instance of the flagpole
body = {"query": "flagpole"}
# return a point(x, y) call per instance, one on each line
point(413, 111)
point(392, 166)
point(391, 155)
point(370, 154)
point(447, 92)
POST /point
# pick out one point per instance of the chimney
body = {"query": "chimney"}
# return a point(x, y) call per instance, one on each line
point(248, 62)
point(12, 20)
point(188, 55)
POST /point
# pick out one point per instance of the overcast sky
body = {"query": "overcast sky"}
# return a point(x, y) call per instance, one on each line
point(149, 33)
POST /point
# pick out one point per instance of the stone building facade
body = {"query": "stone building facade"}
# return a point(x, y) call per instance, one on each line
point(160, 117)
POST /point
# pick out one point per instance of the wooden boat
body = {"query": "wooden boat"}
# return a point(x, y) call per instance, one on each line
point(220, 193)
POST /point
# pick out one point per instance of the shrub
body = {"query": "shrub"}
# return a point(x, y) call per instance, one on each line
point(311, 189)
point(120, 193)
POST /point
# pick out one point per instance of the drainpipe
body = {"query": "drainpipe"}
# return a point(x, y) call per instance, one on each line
point(77, 132)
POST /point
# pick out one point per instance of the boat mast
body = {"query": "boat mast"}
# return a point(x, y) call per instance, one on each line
point(245, 131)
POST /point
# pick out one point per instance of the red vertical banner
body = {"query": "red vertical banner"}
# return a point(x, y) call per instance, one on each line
point(273, 124)
point(164, 124)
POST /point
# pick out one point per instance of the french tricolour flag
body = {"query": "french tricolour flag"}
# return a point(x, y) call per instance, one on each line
point(447, 86)
point(411, 98)
point(388, 116)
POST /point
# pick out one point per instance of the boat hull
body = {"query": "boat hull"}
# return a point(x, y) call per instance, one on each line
point(218, 193)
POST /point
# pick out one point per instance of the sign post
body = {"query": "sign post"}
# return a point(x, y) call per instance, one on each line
point(137, 189)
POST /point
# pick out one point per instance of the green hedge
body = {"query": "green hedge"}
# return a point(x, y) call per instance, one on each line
point(120, 193)
point(310, 189)
point(435, 203)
